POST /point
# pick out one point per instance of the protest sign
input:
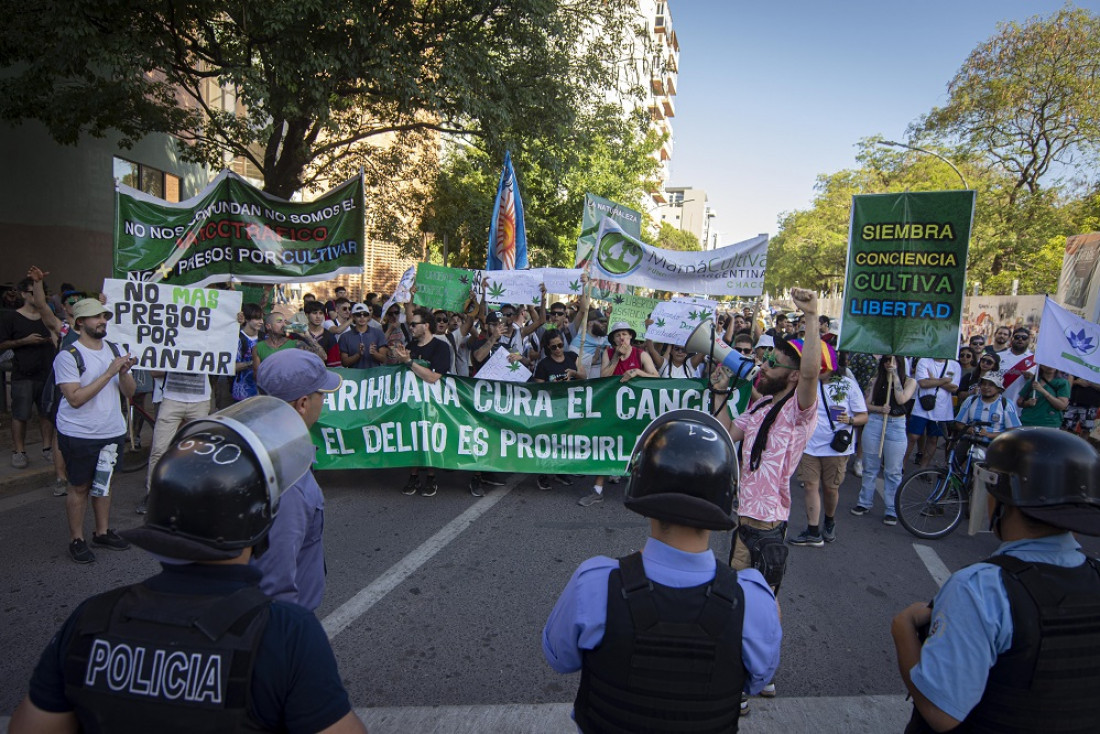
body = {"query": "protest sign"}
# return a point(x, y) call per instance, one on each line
point(736, 270)
point(232, 229)
point(562, 281)
point(632, 309)
point(401, 294)
point(518, 287)
point(1079, 281)
point(440, 287)
point(1068, 343)
point(906, 273)
point(705, 308)
point(674, 322)
point(497, 367)
point(174, 328)
point(388, 417)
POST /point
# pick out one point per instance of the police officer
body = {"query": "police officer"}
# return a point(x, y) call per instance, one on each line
point(198, 647)
point(667, 639)
point(1014, 641)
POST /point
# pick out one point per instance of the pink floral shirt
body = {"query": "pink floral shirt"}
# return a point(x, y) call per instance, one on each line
point(765, 494)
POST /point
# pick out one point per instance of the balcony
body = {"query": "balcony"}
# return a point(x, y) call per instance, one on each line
point(657, 84)
point(655, 111)
point(669, 108)
point(670, 84)
point(659, 24)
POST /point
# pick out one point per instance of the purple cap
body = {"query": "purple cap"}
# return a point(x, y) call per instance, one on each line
point(290, 374)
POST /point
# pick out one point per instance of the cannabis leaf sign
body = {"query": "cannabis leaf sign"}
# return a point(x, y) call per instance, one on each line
point(496, 290)
point(618, 300)
point(574, 286)
point(660, 323)
point(464, 279)
point(514, 366)
point(704, 315)
point(536, 300)
point(693, 315)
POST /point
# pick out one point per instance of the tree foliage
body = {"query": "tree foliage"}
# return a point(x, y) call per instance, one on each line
point(1028, 98)
point(671, 238)
point(323, 85)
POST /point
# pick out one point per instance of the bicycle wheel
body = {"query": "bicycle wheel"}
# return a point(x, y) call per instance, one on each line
point(132, 461)
point(929, 504)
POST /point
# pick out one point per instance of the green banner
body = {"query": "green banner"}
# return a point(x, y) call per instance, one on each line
point(632, 309)
point(906, 273)
point(595, 209)
point(440, 287)
point(233, 230)
point(388, 417)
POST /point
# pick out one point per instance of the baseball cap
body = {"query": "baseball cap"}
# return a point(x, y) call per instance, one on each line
point(360, 308)
point(89, 307)
point(765, 341)
point(294, 373)
point(492, 318)
point(995, 378)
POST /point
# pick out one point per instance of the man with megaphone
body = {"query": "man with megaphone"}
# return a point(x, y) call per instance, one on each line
point(773, 433)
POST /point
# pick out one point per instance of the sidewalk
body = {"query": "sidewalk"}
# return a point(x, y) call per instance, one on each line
point(38, 474)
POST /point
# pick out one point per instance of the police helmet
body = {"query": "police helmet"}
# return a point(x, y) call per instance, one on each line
point(684, 471)
point(1051, 475)
point(216, 490)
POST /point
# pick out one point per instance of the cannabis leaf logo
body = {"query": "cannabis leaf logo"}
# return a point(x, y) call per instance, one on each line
point(660, 323)
point(618, 300)
point(536, 300)
point(704, 314)
point(464, 279)
point(514, 366)
point(574, 286)
point(693, 315)
point(1081, 342)
point(496, 290)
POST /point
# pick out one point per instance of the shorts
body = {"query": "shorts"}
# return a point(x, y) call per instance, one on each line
point(823, 470)
point(82, 454)
point(24, 394)
point(918, 425)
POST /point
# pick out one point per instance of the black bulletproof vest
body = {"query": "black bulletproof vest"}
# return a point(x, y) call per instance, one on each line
point(1049, 680)
point(141, 660)
point(670, 659)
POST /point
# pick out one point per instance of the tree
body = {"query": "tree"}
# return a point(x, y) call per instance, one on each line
point(320, 83)
point(671, 238)
point(1028, 98)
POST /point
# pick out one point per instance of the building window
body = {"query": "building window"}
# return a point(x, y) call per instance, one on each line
point(152, 181)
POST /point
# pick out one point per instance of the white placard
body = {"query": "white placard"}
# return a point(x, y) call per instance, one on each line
point(497, 367)
point(562, 281)
point(175, 328)
point(673, 322)
point(701, 303)
point(517, 287)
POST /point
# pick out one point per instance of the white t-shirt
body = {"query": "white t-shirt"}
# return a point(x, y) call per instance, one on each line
point(670, 370)
point(186, 387)
point(100, 417)
point(843, 393)
point(1014, 378)
point(930, 368)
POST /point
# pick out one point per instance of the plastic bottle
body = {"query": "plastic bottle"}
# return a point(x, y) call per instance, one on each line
point(104, 470)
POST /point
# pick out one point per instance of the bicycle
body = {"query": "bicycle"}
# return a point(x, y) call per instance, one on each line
point(932, 502)
point(135, 457)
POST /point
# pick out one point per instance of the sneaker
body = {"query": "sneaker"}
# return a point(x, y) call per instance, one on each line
point(828, 532)
point(141, 506)
point(543, 482)
point(857, 468)
point(137, 444)
point(412, 487)
point(889, 520)
point(589, 500)
point(78, 551)
point(562, 479)
point(860, 510)
point(768, 691)
point(491, 480)
point(47, 455)
point(110, 539)
point(744, 704)
point(430, 488)
point(806, 538)
point(19, 459)
point(475, 487)
point(60, 487)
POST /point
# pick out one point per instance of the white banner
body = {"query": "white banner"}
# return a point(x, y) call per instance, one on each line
point(497, 367)
point(517, 287)
point(1068, 343)
point(175, 328)
point(706, 306)
point(562, 281)
point(673, 322)
point(736, 270)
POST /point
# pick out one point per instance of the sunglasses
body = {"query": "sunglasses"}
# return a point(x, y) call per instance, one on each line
point(556, 346)
point(1022, 336)
point(964, 355)
point(771, 360)
point(986, 360)
point(417, 323)
point(442, 320)
point(507, 314)
point(359, 315)
point(744, 350)
point(72, 301)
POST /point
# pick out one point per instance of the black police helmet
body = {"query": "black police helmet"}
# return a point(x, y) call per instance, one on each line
point(684, 471)
point(1051, 475)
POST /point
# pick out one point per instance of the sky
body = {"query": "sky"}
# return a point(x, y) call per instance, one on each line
point(771, 95)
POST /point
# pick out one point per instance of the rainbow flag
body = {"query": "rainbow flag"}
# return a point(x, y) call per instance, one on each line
point(507, 235)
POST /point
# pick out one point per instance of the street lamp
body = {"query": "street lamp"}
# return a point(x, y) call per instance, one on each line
point(894, 144)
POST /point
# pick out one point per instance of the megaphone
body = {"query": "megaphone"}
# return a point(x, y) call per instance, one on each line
point(705, 340)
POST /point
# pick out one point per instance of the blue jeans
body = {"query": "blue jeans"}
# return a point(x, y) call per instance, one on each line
point(889, 464)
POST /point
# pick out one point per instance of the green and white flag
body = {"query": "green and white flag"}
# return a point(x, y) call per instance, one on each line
point(906, 273)
point(388, 417)
point(232, 230)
